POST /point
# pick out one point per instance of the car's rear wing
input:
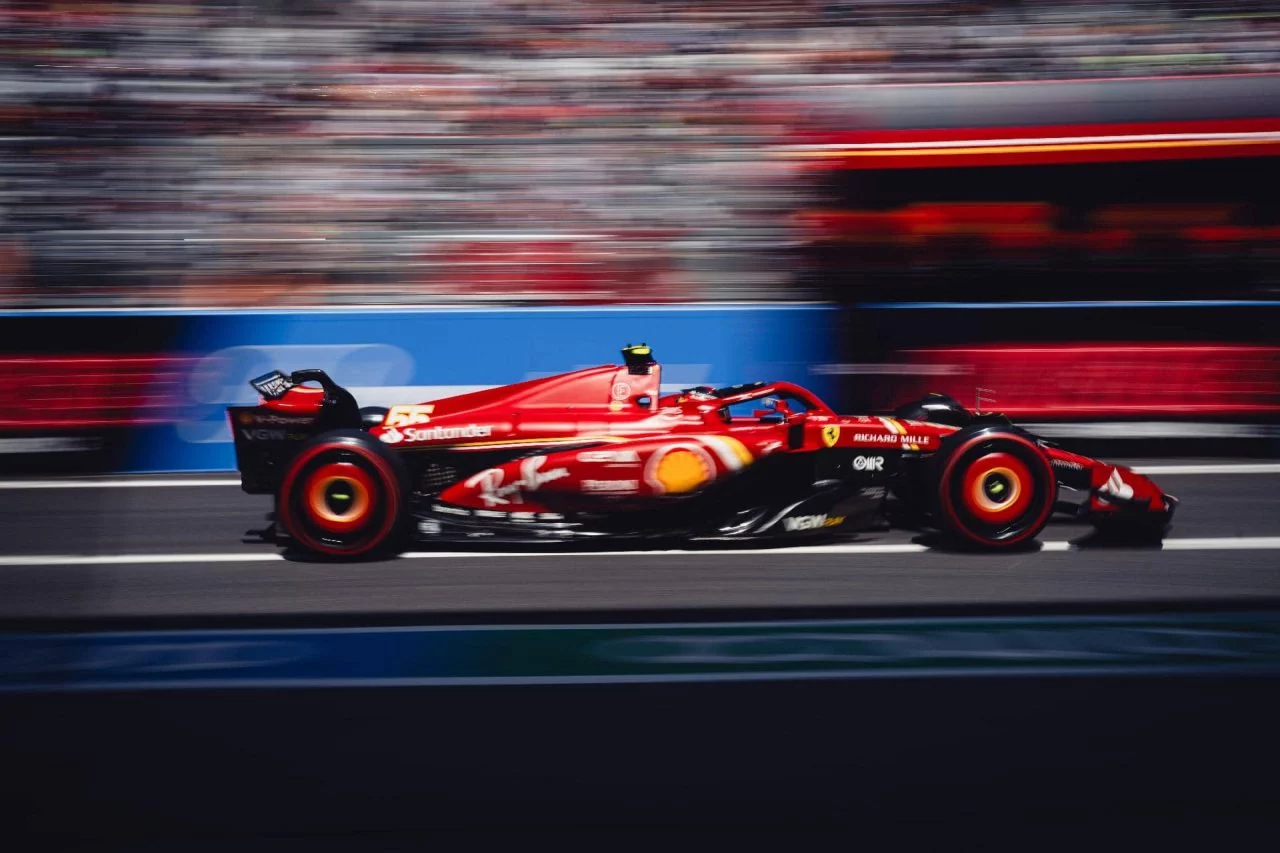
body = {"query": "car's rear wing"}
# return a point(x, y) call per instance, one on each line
point(273, 385)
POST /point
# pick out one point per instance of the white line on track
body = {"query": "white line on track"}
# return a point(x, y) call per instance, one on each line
point(1173, 470)
point(1256, 136)
point(115, 483)
point(197, 482)
point(1240, 543)
point(134, 559)
point(1243, 543)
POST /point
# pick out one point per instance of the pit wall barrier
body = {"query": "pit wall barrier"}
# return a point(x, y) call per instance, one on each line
point(153, 386)
point(1201, 370)
point(1171, 643)
point(1143, 719)
point(96, 392)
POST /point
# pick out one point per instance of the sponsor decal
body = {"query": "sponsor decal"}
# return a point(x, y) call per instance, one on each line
point(830, 435)
point(684, 466)
point(868, 463)
point(907, 441)
point(1116, 486)
point(445, 433)
point(911, 442)
point(612, 486)
point(272, 419)
point(450, 510)
point(401, 416)
point(392, 436)
point(1066, 463)
point(679, 468)
point(610, 457)
point(620, 391)
point(272, 386)
point(429, 527)
point(875, 438)
point(263, 434)
point(494, 492)
point(872, 492)
point(797, 523)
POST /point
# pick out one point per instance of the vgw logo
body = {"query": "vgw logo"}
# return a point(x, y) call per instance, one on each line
point(811, 522)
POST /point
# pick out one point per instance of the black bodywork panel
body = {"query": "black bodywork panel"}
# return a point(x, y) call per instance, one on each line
point(781, 496)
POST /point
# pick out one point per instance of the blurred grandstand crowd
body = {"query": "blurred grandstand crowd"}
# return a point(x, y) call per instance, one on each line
point(308, 151)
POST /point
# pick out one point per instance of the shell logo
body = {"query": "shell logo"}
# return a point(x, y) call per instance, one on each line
point(683, 470)
point(688, 465)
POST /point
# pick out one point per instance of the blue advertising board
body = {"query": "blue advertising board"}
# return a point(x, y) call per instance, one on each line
point(387, 356)
point(1017, 646)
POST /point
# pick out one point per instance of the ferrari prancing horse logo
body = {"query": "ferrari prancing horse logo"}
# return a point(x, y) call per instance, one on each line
point(830, 435)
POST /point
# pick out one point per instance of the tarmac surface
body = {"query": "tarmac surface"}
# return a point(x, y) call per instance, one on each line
point(176, 547)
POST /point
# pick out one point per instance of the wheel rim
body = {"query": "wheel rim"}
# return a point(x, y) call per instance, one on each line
point(997, 490)
point(338, 496)
point(997, 487)
point(340, 499)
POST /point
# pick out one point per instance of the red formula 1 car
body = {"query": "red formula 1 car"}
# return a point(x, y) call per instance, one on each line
point(602, 453)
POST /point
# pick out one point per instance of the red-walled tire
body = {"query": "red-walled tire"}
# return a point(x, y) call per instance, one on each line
point(343, 496)
point(996, 488)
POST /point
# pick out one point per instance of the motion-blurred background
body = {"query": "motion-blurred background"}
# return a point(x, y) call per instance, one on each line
point(957, 159)
point(1061, 209)
point(298, 152)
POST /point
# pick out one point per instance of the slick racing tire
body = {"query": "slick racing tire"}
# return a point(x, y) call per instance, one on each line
point(996, 487)
point(343, 496)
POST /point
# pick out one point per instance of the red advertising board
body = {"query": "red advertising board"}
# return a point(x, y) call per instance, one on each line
point(1093, 381)
point(71, 393)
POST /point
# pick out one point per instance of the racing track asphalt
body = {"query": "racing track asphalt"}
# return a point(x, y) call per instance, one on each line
point(189, 523)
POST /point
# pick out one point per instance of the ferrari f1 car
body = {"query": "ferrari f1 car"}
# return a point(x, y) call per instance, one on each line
point(603, 454)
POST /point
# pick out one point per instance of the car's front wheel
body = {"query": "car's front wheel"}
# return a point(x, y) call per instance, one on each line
point(995, 487)
point(342, 495)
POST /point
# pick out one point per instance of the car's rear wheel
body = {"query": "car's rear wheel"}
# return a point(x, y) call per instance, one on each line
point(996, 487)
point(342, 496)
